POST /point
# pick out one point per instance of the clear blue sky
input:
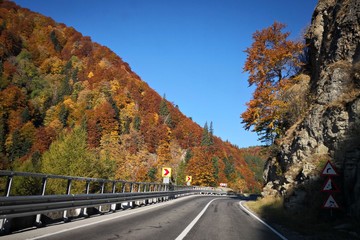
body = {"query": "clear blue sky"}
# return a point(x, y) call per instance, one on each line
point(189, 50)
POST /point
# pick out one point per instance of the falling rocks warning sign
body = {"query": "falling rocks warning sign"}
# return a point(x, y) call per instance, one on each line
point(330, 186)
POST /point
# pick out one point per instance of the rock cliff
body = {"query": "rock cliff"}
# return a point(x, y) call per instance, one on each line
point(330, 130)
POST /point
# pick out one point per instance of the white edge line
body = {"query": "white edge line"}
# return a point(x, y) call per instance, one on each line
point(191, 225)
point(263, 222)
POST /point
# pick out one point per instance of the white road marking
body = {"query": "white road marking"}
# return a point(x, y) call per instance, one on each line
point(192, 224)
point(263, 222)
point(111, 217)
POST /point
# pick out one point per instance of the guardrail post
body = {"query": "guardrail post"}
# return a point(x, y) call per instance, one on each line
point(8, 186)
point(149, 190)
point(38, 222)
point(164, 190)
point(101, 192)
point(4, 223)
point(123, 187)
point(132, 203)
point(146, 201)
point(113, 206)
point(154, 190)
point(159, 189)
point(87, 190)
point(68, 190)
point(138, 190)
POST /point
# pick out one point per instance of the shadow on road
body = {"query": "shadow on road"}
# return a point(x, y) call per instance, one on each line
point(250, 197)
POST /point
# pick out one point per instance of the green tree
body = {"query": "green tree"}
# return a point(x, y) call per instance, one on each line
point(215, 161)
point(207, 135)
point(229, 167)
point(165, 113)
point(211, 133)
point(65, 88)
point(137, 123)
point(188, 156)
point(152, 174)
point(2, 133)
point(55, 41)
point(25, 115)
point(180, 177)
point(18, 145)
point(63, 115)
point(163, 109)
point(28, 185)
point(256, 164)
point(127, 124)
point(69, 155)
point(74, 75)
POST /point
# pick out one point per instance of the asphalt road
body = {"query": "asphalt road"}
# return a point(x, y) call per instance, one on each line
point(195, 217)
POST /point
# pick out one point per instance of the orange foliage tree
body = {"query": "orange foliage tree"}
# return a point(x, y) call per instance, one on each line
point(201, 168)
point(271, 61)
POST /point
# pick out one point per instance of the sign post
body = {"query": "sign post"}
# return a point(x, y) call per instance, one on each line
point(330, 187)
point(188, 180)
point(166, 174)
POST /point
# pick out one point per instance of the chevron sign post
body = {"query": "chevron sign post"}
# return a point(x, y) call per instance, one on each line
point(166, 174)
point(188, 180)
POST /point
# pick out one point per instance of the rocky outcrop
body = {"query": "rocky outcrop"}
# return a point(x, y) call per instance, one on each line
point(331, 127)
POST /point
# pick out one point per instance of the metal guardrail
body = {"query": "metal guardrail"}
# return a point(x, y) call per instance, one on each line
point(121, 192)
point(20, 206)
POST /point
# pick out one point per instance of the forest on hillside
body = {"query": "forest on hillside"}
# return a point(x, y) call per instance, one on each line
point(70, 106)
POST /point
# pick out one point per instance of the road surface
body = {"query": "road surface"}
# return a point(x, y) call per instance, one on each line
point(190, 218)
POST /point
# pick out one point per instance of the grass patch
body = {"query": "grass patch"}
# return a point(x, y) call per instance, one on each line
point(308, 223)
point(270, 208)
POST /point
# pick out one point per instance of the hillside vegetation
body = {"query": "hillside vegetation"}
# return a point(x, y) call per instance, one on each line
point(70, 106)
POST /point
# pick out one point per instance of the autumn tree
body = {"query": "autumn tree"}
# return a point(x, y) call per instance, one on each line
point(201, 168)
point(271, 60)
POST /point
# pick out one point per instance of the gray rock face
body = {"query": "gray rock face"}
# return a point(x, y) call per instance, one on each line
point(331, 128)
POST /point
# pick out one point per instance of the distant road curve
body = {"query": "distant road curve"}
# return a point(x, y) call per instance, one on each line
point(194, 217)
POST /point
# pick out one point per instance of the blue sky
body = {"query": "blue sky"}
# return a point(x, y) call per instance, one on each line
point(190, 50)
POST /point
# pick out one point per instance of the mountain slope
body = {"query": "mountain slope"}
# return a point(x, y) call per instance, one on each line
point(329, 131)
point(71, 106)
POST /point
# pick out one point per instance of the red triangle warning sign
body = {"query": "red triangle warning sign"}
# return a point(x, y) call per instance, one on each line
point(329, 170)
point(330, 203)
point(330, 186)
